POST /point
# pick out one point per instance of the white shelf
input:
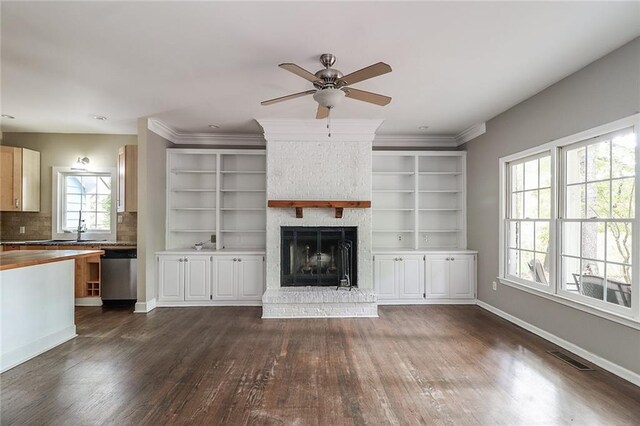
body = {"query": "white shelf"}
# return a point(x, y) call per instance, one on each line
point(194, 190)
point(243, 209)
point(394, 231)
point(394, 191)
point(440, 210)
point(194, 208)
point(392, 210)
point(395, 173)
point(193, 231)
point(243, 231)
point(193, 171)
point(440, 191)
point(243, 190)
point(243, 172)
point(441, 173)
point(447, 231)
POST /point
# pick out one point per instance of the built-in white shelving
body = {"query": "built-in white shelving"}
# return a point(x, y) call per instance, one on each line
point(217, 193)
point(419, 199)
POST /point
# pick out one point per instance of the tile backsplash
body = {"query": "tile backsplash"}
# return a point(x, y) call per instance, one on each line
point(38, 226)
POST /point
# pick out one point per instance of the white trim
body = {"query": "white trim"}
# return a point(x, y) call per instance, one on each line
point(470, 133)
point(250, 139)
point(145, 307)
point(590, 309)
point(210, 303)
point(426, 141)
point(391, 302)
point(57, 188)
point(35, 348)
point(616, 369)
point(88, 301)
point(187, 138)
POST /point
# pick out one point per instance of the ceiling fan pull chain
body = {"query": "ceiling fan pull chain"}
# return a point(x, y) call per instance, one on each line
point(329, 122)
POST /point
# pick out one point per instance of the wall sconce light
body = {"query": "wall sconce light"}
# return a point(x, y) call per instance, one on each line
point(81, 164)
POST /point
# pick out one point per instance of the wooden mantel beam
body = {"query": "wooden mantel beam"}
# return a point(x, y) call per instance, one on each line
point(299, 205)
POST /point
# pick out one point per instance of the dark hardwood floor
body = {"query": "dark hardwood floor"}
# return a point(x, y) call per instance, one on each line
point(416, 364)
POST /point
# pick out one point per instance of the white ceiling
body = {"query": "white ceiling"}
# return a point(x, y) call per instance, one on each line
point(191, 64)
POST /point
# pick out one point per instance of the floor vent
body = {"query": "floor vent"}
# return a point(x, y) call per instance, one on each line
point(571, 361)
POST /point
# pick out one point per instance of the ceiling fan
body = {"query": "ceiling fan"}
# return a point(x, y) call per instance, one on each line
point(331, 85)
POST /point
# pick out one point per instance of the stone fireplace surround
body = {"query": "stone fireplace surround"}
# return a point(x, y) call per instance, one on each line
point(304, 163)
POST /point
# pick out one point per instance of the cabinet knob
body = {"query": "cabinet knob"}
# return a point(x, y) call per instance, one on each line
point(401, 259)
point(452, 258)
point(395, 260)
point(448, 259)
point(180, 260)
point(239, 259)
point(235, 260)
point(186, 260)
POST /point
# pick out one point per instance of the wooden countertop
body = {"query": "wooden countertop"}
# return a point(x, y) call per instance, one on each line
point(23, 258)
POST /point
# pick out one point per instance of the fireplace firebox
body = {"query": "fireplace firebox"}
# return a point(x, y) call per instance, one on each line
point(319, 256)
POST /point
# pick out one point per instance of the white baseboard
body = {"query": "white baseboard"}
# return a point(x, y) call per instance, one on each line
point(616, 369)
point(145, 307)
point(427, 302)
point(88, 301)
point(194, 303)
point(18, 356)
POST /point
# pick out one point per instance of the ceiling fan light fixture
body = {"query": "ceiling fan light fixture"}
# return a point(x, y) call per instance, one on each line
point(329, 97)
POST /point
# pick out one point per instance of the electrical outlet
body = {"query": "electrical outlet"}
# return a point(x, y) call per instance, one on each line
point(495, 286)
point(213, 238)
point(399, 237)
point(120, 218)
point(22, 229)
point(426, 238)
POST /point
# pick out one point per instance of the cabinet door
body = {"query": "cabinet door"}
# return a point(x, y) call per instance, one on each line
point(411, 277)
point(120, 190)
point(223, 280)
point(462, 277)
point(384, 276)
point(250, 277)
point(437, 277)
point(10, 178)
point(170, 278)
point(197, 278)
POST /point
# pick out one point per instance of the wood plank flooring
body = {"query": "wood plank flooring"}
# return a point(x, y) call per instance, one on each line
point(450, 365)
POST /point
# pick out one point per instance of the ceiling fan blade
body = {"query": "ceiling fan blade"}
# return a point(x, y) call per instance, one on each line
point(364, 74)
point(322, 112)
point(286, 98)
point(299, 71)
point(361, 95)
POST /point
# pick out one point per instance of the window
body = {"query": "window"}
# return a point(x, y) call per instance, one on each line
point(568, 226)
point(84, 198)
point(528, 219)
point(598, 218)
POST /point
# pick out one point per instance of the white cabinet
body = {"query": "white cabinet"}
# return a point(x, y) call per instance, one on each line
point(399, 277)
point(184, 278)
point(450, 276)
point(209, 279)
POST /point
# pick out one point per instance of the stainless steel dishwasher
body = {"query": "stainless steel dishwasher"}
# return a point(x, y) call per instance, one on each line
point(119, 276)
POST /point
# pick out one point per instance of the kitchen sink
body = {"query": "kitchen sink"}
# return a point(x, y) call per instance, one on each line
point(71, 241)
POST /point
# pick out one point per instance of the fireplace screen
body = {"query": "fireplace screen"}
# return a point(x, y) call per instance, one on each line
point(325, 256)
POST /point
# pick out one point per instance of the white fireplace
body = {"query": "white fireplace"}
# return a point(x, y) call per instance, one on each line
point(304, 163)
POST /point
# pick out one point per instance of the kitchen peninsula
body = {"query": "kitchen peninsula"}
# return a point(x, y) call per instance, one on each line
point(36, 302)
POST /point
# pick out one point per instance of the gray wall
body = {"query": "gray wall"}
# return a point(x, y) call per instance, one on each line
point(152, 190)
point(604, 91)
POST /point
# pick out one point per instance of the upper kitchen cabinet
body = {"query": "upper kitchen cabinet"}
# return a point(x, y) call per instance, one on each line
point(19, 179)
point(127, 199)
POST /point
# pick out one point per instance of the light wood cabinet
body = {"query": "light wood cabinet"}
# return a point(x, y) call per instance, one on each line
point(127, 188)
point(19, 179)
point(185, 279)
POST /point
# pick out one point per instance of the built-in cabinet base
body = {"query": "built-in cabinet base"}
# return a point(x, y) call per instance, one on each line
point(413, 277)
point(212, 278)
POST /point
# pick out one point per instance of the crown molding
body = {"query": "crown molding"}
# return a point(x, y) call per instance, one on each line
point(344, 129)
point(471, 133)
point(187, 138)
point(407, 141)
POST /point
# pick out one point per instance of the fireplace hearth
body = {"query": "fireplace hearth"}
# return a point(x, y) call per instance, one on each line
point(319, 256)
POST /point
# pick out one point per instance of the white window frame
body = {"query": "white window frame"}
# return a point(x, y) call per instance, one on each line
point(620, 314)
point(552, 207)
point(57, 203)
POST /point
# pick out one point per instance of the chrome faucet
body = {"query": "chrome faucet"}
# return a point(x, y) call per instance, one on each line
point(82, 227)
